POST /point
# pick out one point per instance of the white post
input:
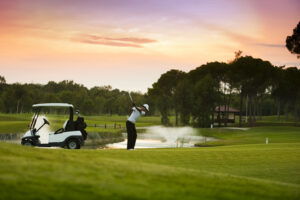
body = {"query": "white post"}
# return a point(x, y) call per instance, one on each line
point(267, 140)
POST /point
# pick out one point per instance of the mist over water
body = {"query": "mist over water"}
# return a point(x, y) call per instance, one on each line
point(168, 134)
point(164, 137)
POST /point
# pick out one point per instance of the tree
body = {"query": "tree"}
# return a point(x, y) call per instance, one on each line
point(292, 91)
point(164, 106)
point(87, 106)
point(253, 76)
point(2, 83)
point(2, 80)
point(183, 100)
point(161, 101)
point(163, 92)
point(205, 98)
point(66, 96)
point(9, 100)
point(217, 71)
point(278, 92)
point(293, 41)
point(20, 92)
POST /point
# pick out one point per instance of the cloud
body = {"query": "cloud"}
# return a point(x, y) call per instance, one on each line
point(270, 45)
point(110, 41)
point(134, 40)
point(118, 44)
point(235, 36)
point(238, 37)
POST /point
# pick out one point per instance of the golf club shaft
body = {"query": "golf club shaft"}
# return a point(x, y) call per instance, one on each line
point(130, 97)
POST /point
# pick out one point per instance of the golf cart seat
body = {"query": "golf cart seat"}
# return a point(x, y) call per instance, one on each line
point(61, 130)
point(68, 126)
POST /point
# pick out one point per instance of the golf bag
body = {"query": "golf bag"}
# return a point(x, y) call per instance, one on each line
point(81, 125)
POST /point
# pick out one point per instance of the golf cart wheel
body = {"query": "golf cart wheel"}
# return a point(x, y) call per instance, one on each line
point(27, 143)
point(73, 144)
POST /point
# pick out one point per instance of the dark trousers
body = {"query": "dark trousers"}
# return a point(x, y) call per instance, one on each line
point(131, 135)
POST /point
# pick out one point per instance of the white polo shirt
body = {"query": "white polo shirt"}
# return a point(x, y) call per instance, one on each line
point(135, 115)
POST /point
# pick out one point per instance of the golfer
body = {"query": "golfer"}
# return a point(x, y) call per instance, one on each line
point(130, 124)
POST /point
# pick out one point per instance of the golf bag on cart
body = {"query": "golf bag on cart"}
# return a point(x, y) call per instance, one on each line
point(81, 125)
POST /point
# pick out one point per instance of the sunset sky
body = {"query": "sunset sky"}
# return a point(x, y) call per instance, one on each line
point(128, 44)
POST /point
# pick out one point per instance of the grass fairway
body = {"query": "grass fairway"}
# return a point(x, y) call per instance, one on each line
point(238, 166)
point(256, 171)
point(254, 135)
point(19, 123)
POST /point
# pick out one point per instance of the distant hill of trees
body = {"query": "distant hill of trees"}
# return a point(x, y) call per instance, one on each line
point(18, 98)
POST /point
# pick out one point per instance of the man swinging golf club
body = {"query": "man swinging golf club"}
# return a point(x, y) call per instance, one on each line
point(130, 123)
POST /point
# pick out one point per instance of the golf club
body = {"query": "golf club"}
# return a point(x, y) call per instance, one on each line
point(130, 97)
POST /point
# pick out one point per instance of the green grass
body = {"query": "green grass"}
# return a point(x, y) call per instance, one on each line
point(255, 135)
point(19, 123)
point(13, 126)
point(15, 117)
point(229, 172)
point(237, 166)
point(14, 123)
point(270, 121)
point(274, 118)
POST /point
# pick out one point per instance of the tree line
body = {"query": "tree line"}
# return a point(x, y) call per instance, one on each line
point(19, 98)
point(249, 84)
point(245, 81)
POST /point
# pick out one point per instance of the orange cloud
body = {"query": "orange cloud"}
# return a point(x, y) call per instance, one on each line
point(271, 45)
point(120, 42)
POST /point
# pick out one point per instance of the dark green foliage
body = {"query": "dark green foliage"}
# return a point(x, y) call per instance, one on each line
point(253, 77)
point(164, 106)
point(18, 98)
point(205, 96)
point(183, 100)
point(267, 90)
point(293, 41)
point(163, 93)
point(2, 80)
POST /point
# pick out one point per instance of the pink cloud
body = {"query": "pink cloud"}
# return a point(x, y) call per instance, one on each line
point(120, 42)
point(103, 42)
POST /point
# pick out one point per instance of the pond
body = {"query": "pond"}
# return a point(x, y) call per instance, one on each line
point(164, 137)
point(148, 137)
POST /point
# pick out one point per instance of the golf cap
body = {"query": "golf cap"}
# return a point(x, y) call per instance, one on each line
point(146, 106)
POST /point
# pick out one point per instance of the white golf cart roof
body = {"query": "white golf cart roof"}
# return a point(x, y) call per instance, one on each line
point(52, 105)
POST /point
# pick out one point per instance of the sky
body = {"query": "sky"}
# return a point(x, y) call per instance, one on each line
point(128, 44)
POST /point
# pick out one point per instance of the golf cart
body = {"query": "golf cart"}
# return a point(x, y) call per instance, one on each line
point(71, 135)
